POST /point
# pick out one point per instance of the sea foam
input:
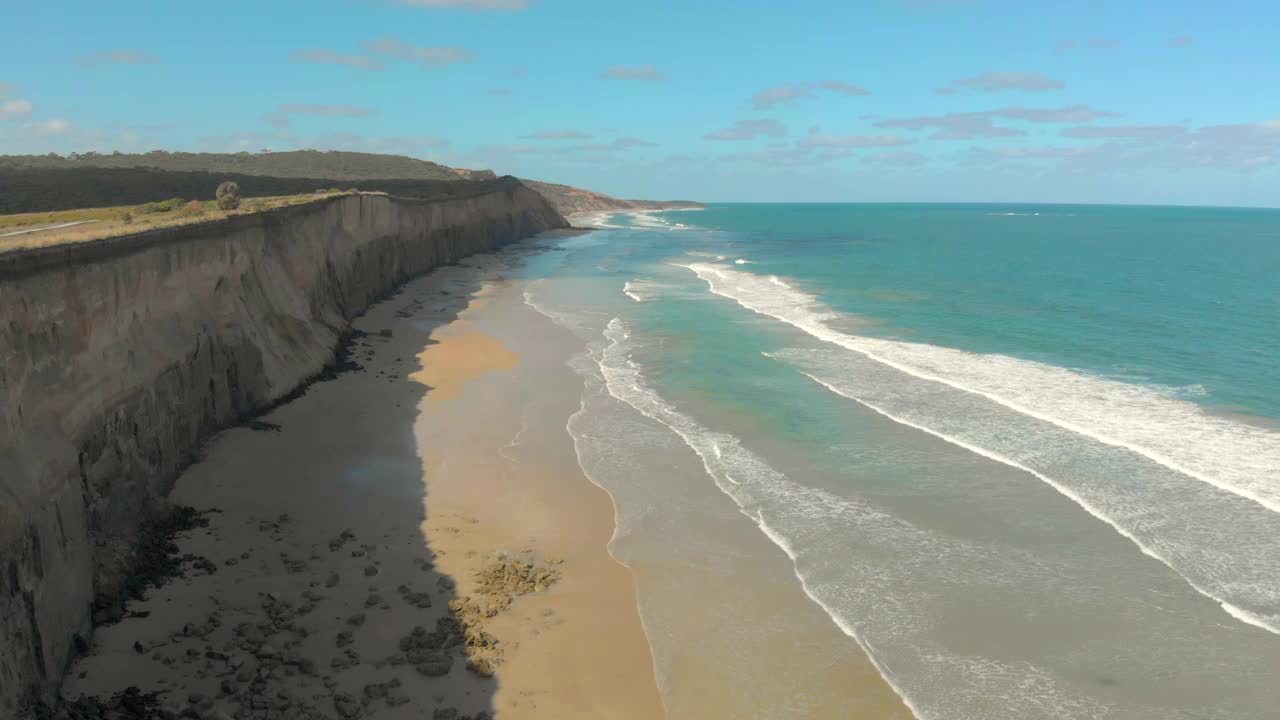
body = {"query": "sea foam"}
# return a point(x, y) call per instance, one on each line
point(864, 596)
point(1208, 504)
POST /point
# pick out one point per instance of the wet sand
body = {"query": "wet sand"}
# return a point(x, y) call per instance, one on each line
point(338, 573)
point(503, 474)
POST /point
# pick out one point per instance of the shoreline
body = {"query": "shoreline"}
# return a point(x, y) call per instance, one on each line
point(350, 528)
point(732, 632)
point(531, 493)
point(595, 216)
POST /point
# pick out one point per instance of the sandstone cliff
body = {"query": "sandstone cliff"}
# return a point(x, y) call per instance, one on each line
point(118, 358)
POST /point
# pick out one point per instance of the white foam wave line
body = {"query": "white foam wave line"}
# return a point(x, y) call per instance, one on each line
point(515, 440)
point(613, 502)
point(1247, 617)
point(845, 627)
point(822, 332)
point(1230, 609)
point(627, 290)
point(601, 219)
point(617, 334)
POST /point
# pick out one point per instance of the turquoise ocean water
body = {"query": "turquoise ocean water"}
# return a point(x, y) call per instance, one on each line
point(1026, 457)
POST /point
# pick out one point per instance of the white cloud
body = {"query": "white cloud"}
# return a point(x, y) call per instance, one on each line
point(277, 120)
point(843, 87)
point(779, 95)
point(324, 110)
point(557, 135)
point(507, 149)
point(61, 135)
point(399, 144)
point(896, 159)
point(623, 143)
point(142, 127)
point(52, 126)
point(1069, 113)
point(1124, 131)
point(427, 56)
point(782, 94)
point(749, 130)
point(1028, 152)
point(333, 57)
point(973, 125)
point(468, 4)
point(116, 57)
point(15, 109)
point(790, 157)
point(954, 126)
point(413, 145)
point(819, 140)
point(1001, 81)
point(647, 73)
point(1239, 147)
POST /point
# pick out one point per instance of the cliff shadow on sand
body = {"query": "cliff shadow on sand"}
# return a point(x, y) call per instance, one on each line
point(312, 589)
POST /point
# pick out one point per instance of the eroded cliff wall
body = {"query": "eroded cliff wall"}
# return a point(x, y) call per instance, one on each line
point(119, 358)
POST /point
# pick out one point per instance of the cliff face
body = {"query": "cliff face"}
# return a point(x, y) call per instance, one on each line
point(119, 357)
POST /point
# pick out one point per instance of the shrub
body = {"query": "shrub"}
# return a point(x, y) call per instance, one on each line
point(228, 195)
point(161, 207)
point(126, 217)
point(195, 207)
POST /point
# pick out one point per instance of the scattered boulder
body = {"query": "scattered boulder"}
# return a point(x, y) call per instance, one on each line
point(346, 706)
point(418, 600)
point(434, 664)
point(343, 538)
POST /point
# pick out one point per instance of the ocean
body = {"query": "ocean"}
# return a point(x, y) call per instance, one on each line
point(1019, 461)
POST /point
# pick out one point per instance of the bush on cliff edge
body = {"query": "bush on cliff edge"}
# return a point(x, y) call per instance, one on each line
point(228, 195)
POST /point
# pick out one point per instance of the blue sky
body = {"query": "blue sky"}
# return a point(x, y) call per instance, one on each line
point(1130, 101)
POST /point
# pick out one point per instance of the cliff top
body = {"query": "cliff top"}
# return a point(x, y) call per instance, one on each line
point(36, 231)
point(33, 230)
point(36, 183)
point(330, 165)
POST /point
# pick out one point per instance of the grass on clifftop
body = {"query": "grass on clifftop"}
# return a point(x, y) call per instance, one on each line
point(100, 223)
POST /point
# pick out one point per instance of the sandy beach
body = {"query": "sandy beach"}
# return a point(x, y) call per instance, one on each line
point(412, 538)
